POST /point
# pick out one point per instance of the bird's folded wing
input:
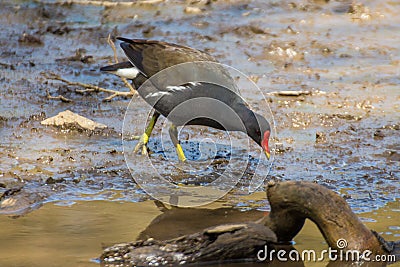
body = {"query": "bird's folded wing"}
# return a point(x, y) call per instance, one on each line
point(151, 56)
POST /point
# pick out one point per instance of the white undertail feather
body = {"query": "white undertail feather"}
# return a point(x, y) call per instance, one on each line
point(128, 73)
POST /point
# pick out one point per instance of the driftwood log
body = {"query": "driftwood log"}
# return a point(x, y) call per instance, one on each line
point(179, 221)
point(294, 202)
point(291, 204)
point(224, 242)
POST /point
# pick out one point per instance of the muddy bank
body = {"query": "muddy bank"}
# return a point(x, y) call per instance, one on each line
point(344, 134)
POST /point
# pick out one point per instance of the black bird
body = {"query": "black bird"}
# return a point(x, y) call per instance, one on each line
point(207, 103)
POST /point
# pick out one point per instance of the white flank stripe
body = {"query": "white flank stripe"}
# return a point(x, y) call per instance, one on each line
point(194, 83)
point(181, 87)
point(158, 94)
point(176, 88)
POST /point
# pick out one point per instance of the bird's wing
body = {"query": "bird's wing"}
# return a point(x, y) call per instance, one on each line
point(117, 66)
point(150, 56)
point(198, 103)
point(175, 95)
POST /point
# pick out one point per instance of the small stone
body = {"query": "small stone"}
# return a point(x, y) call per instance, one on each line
point(378, 134)
point(87, 59)
point(279, 147)
point(30, 39)
point(320, 137)
point(290, 30)
point(192, 10)
point(68, 117)
point(50, 180)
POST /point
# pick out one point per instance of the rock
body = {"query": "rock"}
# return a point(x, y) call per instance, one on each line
point(320, 137)
point(30, 39)
point(192, 10)
point(378, 134)
point(18, 201)
point(70, 119)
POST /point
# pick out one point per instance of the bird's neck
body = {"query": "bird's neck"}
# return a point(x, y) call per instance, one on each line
point(248, 119)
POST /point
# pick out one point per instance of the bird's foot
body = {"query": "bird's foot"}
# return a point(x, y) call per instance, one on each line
point(142, 144)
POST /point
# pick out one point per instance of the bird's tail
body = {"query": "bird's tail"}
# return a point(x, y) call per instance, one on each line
point(117, 66)
point(123, 69)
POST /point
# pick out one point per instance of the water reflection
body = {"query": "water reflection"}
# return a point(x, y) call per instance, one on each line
point(73, 235)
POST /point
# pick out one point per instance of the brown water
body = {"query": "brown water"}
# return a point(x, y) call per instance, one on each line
point(59, 235)
point(348, 55)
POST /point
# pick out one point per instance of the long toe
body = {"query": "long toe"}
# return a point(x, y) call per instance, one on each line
point(144, 150)
point(142, 144)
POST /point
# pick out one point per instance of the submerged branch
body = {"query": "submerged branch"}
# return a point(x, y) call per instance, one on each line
point(88, 87)
point(59, 97)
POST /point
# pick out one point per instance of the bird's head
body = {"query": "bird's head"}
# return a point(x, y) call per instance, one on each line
point(260, 132)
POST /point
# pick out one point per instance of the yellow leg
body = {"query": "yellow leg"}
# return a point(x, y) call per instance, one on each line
point(152, 122)
point(144, 138)
point(173, 133)
point(180, 153)
point(142, 144)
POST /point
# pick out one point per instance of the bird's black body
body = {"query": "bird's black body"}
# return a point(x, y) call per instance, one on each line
point(203, 104)
point(190, 103)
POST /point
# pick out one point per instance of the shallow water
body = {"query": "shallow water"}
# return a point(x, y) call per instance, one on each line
point(345, 135)
point(73, 235)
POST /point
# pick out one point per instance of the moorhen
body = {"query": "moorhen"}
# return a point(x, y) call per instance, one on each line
point(148, 57)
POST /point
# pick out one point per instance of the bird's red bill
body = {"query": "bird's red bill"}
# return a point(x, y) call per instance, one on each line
point(265, 144)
